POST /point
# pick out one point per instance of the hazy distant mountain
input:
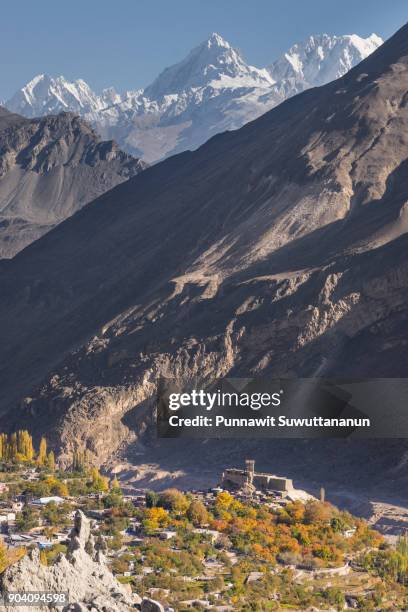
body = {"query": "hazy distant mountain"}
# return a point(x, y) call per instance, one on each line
point(276, 250)
point(212, 90)
point(49, 168)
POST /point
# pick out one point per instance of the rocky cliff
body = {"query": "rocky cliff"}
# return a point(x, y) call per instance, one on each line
point(278, 249)
point(82, 574)
point(49, 169)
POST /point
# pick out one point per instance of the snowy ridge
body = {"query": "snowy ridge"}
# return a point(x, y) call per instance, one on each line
point(323, 58)
point(213, 63)
point(212, 89)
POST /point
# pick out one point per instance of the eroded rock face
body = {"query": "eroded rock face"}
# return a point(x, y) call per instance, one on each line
point(82, 573)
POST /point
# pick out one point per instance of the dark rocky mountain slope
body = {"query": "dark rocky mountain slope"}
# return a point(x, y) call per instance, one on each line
point(50, 168)
point(279, 249)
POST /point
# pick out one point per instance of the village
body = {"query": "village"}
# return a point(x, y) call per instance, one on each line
point(255, 537)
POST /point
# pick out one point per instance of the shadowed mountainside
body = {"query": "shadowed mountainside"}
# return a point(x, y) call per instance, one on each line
point(49, 168)
point(278, 249)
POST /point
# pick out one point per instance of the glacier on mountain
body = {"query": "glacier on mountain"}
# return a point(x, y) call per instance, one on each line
point(211, 90)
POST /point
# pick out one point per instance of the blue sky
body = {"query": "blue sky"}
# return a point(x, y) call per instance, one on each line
point(126, 43)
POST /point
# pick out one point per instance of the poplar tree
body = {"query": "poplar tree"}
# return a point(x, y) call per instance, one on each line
point(51, 461)
point(3, 447)
point(42, 453)
point(12, 447)
point(25, 445)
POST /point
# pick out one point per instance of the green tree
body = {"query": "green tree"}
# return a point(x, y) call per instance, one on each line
point(152, 499)
point(80, 461)
point(26, 519)
point(56, 515)
point(335, 597)
point(13, 447)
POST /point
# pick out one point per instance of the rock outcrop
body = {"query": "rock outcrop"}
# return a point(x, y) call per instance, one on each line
point(82, 573)
point(150, 605)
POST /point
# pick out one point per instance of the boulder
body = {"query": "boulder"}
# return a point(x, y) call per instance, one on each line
point(150, 605)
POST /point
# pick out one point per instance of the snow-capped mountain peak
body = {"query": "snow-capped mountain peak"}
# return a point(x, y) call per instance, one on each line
point(46, 95)
point(214, 62)
point(211, 90)
point(216, 40)
point(323, 58)
point(365, 46)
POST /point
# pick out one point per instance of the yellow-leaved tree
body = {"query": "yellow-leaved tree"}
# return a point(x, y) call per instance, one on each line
point(25, 445)
point(3, 447)
point(51, 461)
point(98, 482)
point(8, 556)
point(115, 487)
point(42, 453)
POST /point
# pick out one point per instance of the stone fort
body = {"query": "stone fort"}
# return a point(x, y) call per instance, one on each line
point(234, 479)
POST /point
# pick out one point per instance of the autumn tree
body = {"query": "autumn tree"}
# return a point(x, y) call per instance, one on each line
point(173, 500)
point(197, 513)
point(25, 445)
point(56, 487)
point(3, 556)
point(237, 576)
point(43, 557)
point(217, 584)
point(3, 447)
point(296, 511)
point(154, 518)
point(42, 453)
point(319, 512)
point(8, 556)
point(51, 461)
point(98, 482)
point(225, 502)
point(115, 487)
point(17, 447)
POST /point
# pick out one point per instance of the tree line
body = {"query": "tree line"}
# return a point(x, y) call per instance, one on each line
point(18, 447)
